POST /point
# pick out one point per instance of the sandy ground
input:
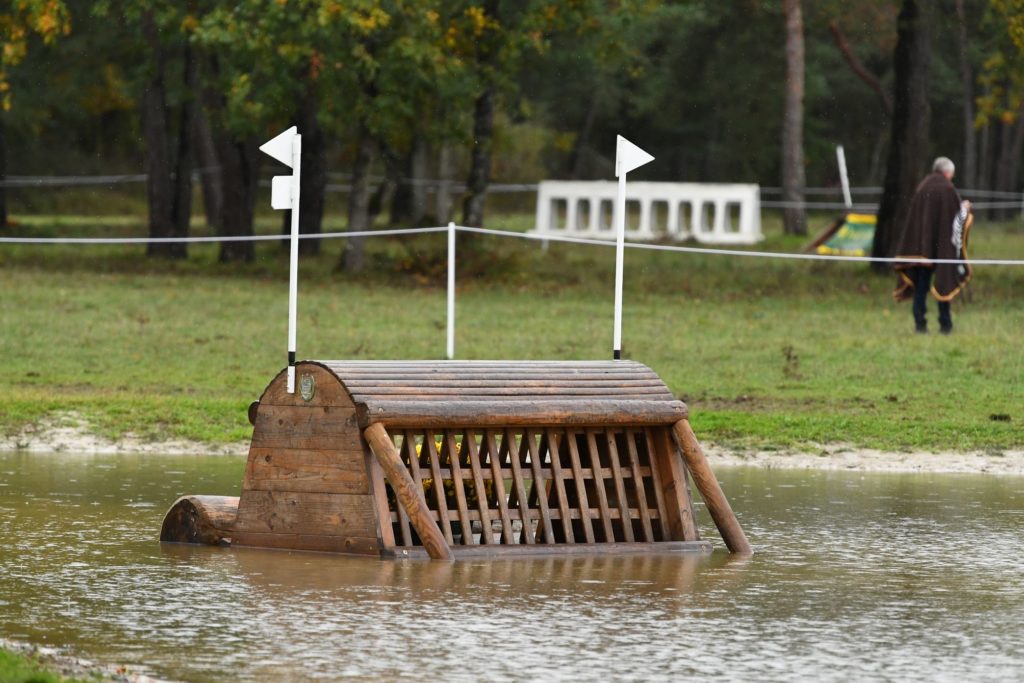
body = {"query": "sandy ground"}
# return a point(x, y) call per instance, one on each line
point(69, 433)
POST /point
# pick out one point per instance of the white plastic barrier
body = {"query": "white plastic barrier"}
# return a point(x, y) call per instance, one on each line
point(709, 213)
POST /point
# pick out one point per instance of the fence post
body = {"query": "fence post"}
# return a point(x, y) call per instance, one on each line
point(451, 291)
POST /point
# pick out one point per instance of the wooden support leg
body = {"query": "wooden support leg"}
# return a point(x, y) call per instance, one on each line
point(710, 491)
point(409, 495)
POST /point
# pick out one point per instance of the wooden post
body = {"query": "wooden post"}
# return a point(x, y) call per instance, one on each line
point(710, 491)
point(409, 495)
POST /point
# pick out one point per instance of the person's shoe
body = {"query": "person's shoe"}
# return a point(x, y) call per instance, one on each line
point(921, 328)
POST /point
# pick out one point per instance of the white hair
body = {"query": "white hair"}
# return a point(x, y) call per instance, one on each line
point(943, 165)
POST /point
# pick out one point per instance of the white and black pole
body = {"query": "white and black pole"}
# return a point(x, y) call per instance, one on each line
point(843, 178)
point(627, 157)
point(284, 194)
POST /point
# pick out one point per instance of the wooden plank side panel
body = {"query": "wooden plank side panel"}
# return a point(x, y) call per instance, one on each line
point(322, 514)
point(272, 469)
point(308, 428)
point(328, 390)
point(353, 545)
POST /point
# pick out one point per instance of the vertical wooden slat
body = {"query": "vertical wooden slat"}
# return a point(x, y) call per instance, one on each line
point(408, 494)
point(539, 487)
point(659, 499)
point(498, 477)
point(518, 486)
point(554, 444)
point(678, 508)
point(620, 487)
point(435, 470)
point(638, 482)
point(602, 496)
point(403, 518)
point(450, 447)
point(386, 533)
point(581, 487)
point(469, 446)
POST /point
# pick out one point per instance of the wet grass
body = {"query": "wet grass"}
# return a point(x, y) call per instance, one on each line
point(16, 668)
point(767, 353)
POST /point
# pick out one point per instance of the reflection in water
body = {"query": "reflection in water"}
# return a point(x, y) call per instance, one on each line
point(883, 576)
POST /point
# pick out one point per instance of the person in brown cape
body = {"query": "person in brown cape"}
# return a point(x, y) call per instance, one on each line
point(937, 227)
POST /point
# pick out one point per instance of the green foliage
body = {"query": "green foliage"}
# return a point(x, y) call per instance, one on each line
point(20, 19)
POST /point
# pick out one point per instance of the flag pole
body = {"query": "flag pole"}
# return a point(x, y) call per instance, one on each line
point(293, 267)
point(620, 243)
point(627, 157)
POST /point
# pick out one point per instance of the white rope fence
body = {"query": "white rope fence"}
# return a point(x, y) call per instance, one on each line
point(451, 229)
point(497, 233)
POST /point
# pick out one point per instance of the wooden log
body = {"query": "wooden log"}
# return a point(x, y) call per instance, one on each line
point(519, 413)
point(408, 494)
point(705, 481)
point(205, 520)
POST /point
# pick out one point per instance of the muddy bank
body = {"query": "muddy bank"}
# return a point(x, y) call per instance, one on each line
point(68, 666)
point(71, 434)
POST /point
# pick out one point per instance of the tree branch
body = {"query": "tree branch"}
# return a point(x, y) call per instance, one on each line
point(858, 68)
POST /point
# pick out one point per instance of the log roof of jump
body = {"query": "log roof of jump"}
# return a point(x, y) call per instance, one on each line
point(505, 393)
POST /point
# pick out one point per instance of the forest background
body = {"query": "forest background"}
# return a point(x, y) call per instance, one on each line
point(402, 99)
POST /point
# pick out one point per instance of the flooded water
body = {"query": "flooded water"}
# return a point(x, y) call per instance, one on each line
point(856, 576)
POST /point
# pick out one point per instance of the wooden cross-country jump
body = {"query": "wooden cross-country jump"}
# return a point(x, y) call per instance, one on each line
point(466, 459)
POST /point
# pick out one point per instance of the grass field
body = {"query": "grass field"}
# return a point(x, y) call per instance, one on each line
point(767, 353)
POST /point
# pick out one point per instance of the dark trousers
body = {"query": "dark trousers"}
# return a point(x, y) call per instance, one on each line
point(922, 278)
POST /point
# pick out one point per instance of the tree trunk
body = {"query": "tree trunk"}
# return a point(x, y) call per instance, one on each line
point(984, 172)
point(313, 175)
point(159, 187)
point(359, 201)
point(908, 147)
point(409, 203)
point(3, 174)
point(240, 166)
point(1009, 160)
point(480, 164)
point(793, 176)
point(582, 140)
point(969, 177)
point(181, 207)
point(210, 172)
point(443, 200)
